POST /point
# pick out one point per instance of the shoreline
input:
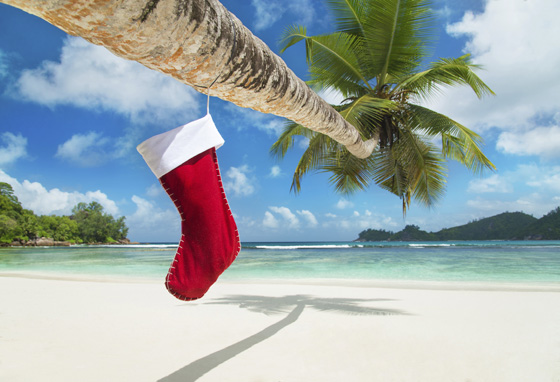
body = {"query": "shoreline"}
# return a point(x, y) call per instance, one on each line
point(68, 330)
point(489, 286)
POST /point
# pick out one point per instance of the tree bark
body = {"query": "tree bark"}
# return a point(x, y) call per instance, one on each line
point(198, 42)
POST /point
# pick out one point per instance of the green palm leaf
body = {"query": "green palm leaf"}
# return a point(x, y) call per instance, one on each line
point(396, 35)
point(385, 41)
point(349, 15)
point(446, 72)
point(312, 158)
point(367, 112)
point(459, 143)
point(286, 140)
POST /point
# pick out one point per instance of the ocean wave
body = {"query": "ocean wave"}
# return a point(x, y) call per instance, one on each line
point(139, 246)
point(302, 246)
point(421, 245)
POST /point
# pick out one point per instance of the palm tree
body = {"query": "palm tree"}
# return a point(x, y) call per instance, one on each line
point(200, 43)
point(375, 60)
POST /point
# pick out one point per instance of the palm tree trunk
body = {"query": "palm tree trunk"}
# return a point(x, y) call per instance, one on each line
point(198, 42)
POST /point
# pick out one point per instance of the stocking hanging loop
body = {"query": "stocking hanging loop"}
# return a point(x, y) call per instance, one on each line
point(234, 45)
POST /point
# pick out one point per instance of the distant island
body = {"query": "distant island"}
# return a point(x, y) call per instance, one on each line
point(88, 224)
point(505, 226)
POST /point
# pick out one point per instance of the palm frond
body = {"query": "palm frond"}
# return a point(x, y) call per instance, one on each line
point(312, 158)
point(367, 112)
point(349, 15)
point(426, 169)
point(333, 59)
point(286, 140)
point(348, 173)
point(397, 35)
point(458, 142)
point(446, 72)
point(409, 169)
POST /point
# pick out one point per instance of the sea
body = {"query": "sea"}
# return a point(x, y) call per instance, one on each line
point(460, 262)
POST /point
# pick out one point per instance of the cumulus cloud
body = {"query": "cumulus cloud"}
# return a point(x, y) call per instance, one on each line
point(13, 148)
point(90, 77)
point(493, 183)
point(541, 141)
point(541, 182)
point(269, 220)
point(343, 203)
point(154, 190)
point(150, 221)
point(359, 220)
point(508, 38)
point(95, 149)
point(34, 196)
point(275, 172)
point(309, 217)
point(268, 12)
point(84, 149)
point(243, 118)
point(289, 220)
point(536, 204)
point(239, 183)
point(332, 96)
point(3, 64)
point(545, 178)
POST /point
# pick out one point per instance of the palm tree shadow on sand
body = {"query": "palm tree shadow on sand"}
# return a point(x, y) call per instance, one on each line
point(293, 305)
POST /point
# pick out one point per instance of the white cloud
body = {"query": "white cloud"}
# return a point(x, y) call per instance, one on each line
point(94, 149)
point(90, 77)
point(287, 216)
point(239, 183)
point(3, 64)
point(343, 203)
point(84, 149)
point(545, 178)
point(542, 183)
point(149, 221)
point(268, 12)
point(244, 118)
point(543, 141)
point(358, 221)
point(493, 183)
point(36, 197)
point(332, 96)
point(311, 219)
point(269, 220)
point(275, 172)
point(14, 148)
point(535, 204)
point(330, 215)
point(511, 40)
point(154, 190)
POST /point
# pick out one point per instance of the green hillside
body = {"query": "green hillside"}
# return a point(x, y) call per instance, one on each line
point(505, 226)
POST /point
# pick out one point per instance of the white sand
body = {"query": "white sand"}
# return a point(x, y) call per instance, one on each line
point(55, 330)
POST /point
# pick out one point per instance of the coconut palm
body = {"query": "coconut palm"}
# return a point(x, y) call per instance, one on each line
point(375, 59)
point(200, 43)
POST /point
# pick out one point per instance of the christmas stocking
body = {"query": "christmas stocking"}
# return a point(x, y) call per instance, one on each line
point(185, 162)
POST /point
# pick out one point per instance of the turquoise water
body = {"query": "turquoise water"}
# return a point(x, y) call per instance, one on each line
point(495, 261)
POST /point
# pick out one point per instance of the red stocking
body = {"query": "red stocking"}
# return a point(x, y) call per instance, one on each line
point(185, 161)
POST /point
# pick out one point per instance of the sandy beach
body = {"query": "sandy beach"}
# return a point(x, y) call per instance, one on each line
point(62, 330)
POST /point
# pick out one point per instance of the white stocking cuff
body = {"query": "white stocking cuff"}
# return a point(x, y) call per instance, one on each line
point(169, 150)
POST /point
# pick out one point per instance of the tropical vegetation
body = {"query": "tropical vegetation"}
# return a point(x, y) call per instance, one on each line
point(87, 224)
point(376, 60)
point(505, 226)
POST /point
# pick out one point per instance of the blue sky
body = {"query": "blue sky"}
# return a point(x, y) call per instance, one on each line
point(71, 115)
